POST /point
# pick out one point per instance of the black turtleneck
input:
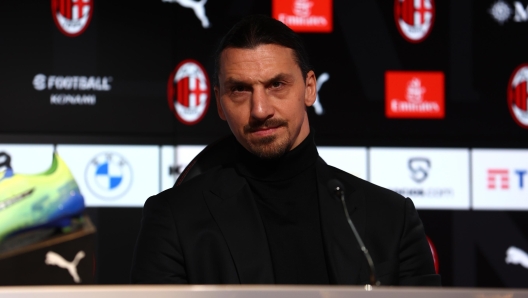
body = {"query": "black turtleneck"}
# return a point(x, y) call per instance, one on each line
point(285, 190)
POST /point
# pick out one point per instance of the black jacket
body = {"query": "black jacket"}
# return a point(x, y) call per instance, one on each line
point(208, 231)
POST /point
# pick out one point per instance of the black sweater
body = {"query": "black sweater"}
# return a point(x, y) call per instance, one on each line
point(285, 190)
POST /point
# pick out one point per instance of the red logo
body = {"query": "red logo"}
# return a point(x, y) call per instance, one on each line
point(518, 95)
point(72, 16)
point(188, 92)
point(304, 15)
point(434, 253)
point(414, 18)
point(498, 174)
point(411, 94)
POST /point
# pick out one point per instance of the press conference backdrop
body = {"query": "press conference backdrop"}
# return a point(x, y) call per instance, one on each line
point(427, 98)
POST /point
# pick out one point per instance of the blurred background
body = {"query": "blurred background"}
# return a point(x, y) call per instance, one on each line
point(427, 98)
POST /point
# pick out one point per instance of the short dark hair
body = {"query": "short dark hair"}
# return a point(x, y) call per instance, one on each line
point(255, 30)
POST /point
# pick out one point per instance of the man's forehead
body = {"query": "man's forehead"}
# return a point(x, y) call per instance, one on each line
point(255, 54)
point(268, 60)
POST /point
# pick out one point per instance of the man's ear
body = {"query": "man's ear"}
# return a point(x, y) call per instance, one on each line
point(310, 89)
point(218, 105)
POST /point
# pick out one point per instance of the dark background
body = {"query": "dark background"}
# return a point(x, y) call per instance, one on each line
point(139, 43)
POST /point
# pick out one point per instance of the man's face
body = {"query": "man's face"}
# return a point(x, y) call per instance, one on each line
point(263, 96)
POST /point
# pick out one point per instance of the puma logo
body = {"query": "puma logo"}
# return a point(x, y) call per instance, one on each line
point(53, 258)
point(517, 256)
point(197, 6)
point(317, 104)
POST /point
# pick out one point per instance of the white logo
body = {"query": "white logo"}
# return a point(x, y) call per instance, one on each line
point(318, 107)
point(197, 6)
point(82, 83)
point(39, 82)
point(414, 18)
point(415, 99)
point(415, 91)
point(516, 256)
point(42, 82)
point(302, 8)
point(188, 92)
point(108, 176)
point(72, 16)
point(53, 258)
point(502, 12)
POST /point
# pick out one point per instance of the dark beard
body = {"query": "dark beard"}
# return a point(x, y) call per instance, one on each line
point(267, 147)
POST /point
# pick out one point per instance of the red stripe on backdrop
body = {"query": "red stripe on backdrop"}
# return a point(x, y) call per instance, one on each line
point(68, 9)
point(517, 100)
point(403, 11)
point(410, 12)
point(180, 91)
point(185, 92)
point(174, 92)
point(522, 100)
point(62, 4)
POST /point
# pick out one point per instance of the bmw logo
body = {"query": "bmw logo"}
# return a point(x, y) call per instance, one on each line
point(108, 176)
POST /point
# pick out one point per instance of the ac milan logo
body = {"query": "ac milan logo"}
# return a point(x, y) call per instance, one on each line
point(188, 92)
point(518, 95)
point(72, 16)
point(414, 18)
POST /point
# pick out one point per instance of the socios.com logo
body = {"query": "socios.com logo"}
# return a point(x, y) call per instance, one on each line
point(108, 176)
point(419, 167)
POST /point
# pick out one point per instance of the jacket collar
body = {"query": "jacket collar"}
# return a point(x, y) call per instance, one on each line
point(231, 203)
point(343, 255)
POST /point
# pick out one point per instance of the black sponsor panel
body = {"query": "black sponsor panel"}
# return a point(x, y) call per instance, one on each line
point(128, 50)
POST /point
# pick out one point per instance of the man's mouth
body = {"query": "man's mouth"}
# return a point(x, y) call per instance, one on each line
point(264, 131)
point(265, 128)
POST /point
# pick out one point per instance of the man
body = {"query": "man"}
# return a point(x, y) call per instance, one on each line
point(268, 216)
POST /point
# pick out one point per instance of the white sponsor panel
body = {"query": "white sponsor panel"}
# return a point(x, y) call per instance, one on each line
point(349, 159)
point(432, 178)
point(168, 163)
point(114, 175)
point(500, 179)
point(174, 159)
point(27, 159)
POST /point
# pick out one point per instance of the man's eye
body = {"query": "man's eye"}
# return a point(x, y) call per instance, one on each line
point(238, 89)
point(276, 84)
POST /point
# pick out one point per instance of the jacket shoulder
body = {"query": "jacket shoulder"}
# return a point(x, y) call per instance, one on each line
point(190, 192)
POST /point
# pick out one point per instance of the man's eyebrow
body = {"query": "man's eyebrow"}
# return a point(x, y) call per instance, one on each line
point(232, 81)
point(278, 77)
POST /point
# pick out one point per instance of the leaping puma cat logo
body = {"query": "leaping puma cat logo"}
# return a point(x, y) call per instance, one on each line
point(53, 258)
point(318, 107)
point(517, 256)
point(197, 6)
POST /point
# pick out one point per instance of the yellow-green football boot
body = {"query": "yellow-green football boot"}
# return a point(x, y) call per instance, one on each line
point(46, 200)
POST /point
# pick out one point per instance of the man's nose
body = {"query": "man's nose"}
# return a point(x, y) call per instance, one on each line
point(261, 106)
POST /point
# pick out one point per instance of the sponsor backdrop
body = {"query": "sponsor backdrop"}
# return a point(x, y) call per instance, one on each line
point(427, 98)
